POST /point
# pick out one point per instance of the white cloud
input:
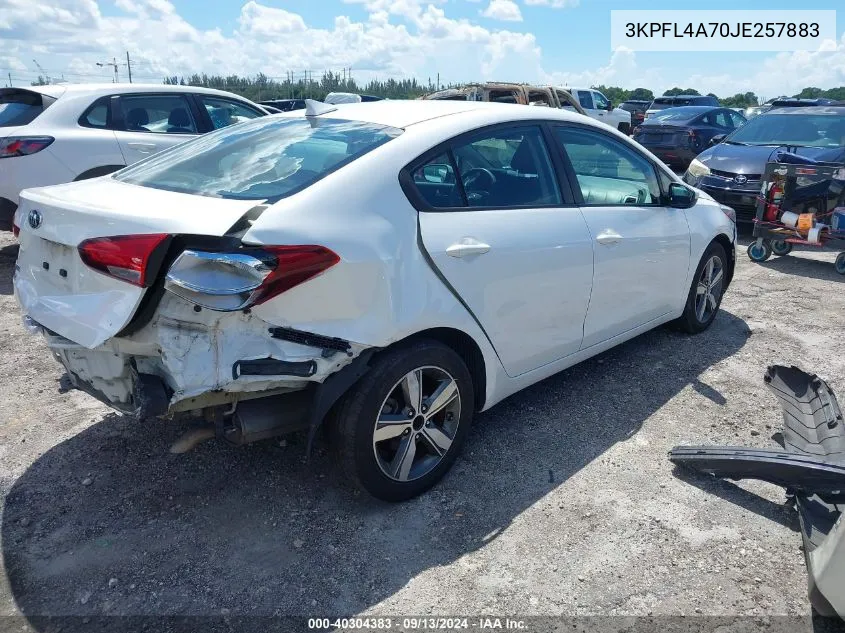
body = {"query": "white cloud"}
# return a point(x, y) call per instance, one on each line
point(505, 10)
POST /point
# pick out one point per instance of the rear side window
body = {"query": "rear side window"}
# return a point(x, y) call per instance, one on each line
point(503, 169)
point(162, 114)
point(263, 159)
point(20, 107)
point(98, 115)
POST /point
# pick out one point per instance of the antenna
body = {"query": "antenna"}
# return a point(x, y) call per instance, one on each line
point(316, 108)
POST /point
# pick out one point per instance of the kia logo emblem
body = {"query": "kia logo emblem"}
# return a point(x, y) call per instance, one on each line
point(34, 218)
point(740, 180)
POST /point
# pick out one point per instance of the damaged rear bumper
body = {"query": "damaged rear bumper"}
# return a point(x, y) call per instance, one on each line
point(187, 360)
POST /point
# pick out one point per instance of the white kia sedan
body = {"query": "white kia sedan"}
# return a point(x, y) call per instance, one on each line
point(389, 268)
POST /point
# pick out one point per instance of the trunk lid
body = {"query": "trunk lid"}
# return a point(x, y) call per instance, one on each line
point(53, 284)
point(661, 135)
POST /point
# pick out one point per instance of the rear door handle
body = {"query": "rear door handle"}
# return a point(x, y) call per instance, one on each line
point(142, 147)
point(608, 237)
point(467, 246)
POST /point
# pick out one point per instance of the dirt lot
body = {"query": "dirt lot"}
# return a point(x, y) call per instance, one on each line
point(563, 502)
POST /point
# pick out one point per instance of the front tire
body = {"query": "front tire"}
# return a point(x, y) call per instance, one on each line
point(705, 295)
point(400, 429)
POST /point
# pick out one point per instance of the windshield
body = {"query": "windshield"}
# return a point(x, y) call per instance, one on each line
point(806, 130)
point(264, 159)
point(678, 114)
point(19, 107)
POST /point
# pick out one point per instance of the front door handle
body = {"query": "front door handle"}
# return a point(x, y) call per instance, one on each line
point(467, 246)
point(608, 237)
point(144, 148)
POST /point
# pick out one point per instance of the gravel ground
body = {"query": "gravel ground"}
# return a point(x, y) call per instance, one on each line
point(563, 503)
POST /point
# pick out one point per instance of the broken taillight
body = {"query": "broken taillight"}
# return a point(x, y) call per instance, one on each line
point(124, 257)
point(250, 276)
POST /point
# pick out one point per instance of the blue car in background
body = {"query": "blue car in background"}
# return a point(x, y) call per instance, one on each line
point(677, 135)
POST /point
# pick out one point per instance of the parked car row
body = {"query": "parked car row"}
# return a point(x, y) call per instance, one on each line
point(587, 101)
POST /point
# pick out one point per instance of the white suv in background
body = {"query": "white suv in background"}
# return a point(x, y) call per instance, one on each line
point(599, 107)
point(61, 133)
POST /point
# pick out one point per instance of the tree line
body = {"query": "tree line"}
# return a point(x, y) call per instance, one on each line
point(264, 88)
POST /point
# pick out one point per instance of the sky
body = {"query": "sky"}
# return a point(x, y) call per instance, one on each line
point(560, 42)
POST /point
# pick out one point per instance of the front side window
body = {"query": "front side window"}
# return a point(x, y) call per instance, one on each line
point(722, 119)
point(162, 114)
point(225, 112)
point(608, 172)
point(264, 159)
point(437, 183)
point(737, 119)
point(601, 101)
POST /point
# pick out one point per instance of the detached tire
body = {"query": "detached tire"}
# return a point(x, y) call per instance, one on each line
point(705, 295)
point(400, 429)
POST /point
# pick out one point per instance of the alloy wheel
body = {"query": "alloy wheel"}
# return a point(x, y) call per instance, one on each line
point(709, 289)
point(417, 423)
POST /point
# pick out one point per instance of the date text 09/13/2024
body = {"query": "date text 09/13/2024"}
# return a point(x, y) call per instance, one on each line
point(416, 624)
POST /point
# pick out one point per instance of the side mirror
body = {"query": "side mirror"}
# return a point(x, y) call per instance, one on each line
point(436, 173)
point(610, 106)
point(718, 138)
point(681, 196)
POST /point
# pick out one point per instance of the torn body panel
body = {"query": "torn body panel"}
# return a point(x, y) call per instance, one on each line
point(811, 467)
point(200, 356)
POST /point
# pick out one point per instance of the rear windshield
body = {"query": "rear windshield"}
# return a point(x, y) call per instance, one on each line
point(264, 159)
point(19, 107)
point(679, 114)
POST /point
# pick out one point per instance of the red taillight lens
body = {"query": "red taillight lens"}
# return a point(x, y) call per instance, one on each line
point(296, 264)
point(16, 230)
point(123, 257)
point(23, 145)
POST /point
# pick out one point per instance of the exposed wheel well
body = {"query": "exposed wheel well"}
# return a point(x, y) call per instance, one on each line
point(96, 172)
point(726, 243)
point(468, 350)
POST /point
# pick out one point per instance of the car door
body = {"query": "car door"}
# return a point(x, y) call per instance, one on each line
point(501, 230)
point(642, 248)
point(149, 123)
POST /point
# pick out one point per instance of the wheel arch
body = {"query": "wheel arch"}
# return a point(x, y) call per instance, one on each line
point(464, 346)
point(725, 242)
point(96, 172)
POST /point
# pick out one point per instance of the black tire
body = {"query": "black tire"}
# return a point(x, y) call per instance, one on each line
point(353, 420)
point(839, 264)
point(759, 253)
point(689, 321)
point(781, 248)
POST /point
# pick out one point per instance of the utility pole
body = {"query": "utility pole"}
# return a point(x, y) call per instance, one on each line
point(129, 66)
point(10, 80)
point(113, 64)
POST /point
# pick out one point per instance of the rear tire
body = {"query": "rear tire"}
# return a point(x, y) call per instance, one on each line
point(374, 428)
point(708, 286)
point(781, 248)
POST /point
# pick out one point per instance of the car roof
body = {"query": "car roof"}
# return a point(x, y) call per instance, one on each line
point(405, 113)
point(57, 90)
point(826, 109)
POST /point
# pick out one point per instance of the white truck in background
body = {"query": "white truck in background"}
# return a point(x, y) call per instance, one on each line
point(599, 107)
